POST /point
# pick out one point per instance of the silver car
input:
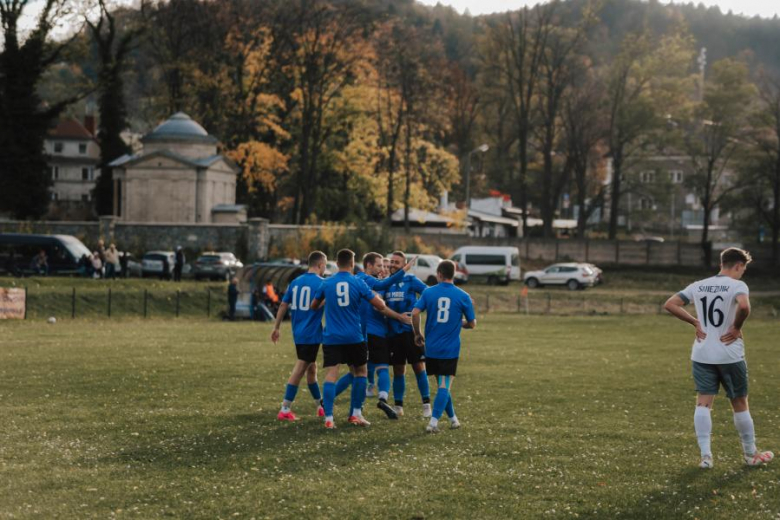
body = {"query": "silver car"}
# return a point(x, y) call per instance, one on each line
point(219, 266)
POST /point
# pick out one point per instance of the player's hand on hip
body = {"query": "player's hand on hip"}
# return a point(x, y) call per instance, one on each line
point(731, 336)
point(275, 335)
point(700, 334)
point(419, 340)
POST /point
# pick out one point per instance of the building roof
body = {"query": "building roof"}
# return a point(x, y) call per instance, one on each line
point(228, 208)
point(487, 217)
point(128, 160)
point(423, 218)
point(179, 128)
point(71, 129)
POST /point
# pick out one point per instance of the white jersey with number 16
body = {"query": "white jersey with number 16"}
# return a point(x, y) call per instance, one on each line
point(715, 299)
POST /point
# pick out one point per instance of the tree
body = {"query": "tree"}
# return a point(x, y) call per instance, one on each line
point(645, 83)
point(765, 148)
point(113, 50)
point(327, 49)
point(24, 120)
point(519, 41)
point(584, 129)
point(711, 137)
point(558, 64)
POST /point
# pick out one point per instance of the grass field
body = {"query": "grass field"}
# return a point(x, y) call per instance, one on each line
point(587, 417)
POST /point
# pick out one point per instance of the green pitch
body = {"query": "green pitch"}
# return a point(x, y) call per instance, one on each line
point(563, 417)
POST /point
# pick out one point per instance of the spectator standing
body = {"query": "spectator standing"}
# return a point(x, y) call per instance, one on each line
point(165, 274)
point(124, 259)
point(232, 298)
point(179, 265)
point(97, 265)
point(112, 261)
point(101, 253)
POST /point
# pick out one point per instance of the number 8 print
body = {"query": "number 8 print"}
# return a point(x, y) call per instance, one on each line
point(443, 314)
point(342, 291)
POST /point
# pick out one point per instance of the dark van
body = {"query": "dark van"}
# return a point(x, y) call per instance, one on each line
point(18, 251)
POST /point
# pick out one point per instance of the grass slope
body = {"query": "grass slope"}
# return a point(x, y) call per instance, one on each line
point(563, 418)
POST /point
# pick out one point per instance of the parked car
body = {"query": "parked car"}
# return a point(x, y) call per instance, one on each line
point(153, 262)
point(598, 273)
point(63, 252)
point(220, 266)
point(494, 264)
point(425, 267)
point(573, 276)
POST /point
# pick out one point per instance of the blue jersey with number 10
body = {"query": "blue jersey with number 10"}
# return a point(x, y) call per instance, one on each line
point(343, 294)
point(446, 306)
point(306, 323)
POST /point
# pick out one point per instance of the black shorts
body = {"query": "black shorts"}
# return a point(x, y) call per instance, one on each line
point(403, 350)
point(378, 350)
point(307, 353)
point(354, 355)
point(441, 367)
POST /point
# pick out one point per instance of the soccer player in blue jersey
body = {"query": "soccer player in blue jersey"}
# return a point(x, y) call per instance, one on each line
point(375, 324)
point(448, 310)
point(307, 333)
point(343, 341)
point(401, 298)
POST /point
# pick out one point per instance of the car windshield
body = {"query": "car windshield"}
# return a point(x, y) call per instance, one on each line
point(154, 256)
point(209, 259)
point(75, 247)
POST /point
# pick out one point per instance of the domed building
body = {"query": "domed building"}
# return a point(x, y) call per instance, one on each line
point(178, 176)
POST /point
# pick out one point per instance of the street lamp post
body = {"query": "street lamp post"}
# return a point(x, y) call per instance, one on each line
point(481, 148)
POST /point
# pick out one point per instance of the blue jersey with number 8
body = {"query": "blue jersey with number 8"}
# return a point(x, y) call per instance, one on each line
point(445, 306)
point(306, 323)
point(343, 294)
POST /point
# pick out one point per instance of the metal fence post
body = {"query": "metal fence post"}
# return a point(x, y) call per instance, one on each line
point(518, 303)
point(109, 302)
point(25, 302)
point(487, 303)
point(73, 304)
point(208, 302)
point(178, 295)
point(146, 297)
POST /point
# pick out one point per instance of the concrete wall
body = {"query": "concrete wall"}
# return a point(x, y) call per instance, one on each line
point(252, 240)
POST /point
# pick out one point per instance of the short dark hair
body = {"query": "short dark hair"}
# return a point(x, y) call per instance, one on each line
point(345, 257)
point(734, 255)
point(370, 259)
point(315, 257)
point(401, 254)
point(446, 269)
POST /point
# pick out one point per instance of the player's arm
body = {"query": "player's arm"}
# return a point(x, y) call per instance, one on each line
point(396, 277)
point(280, 314)
point(419, 339)
point(317, 303)
point(470, 324)
point(676, 307)
point(378, 303)
point(469, 316)
point(735, 330)
point(405, 318)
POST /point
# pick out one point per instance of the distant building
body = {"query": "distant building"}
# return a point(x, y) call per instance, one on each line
point(177, 176)
point(72, 153)
point(657, 199)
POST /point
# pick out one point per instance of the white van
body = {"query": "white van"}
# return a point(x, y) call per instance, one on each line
point(495, 264)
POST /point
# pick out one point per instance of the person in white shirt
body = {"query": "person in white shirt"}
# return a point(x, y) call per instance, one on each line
point(722, 305)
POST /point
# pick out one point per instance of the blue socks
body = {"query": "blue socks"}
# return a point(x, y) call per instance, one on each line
point(314, 388)
point(422, 385)
point(399, 388)
point(329, 389)
point(450, 409)
point(358, 393)
point(371, 370)
point(440, 403)
point(343, 383)
point(383, 375)
point(289, 392)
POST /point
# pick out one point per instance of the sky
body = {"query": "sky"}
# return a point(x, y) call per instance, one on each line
point(765, 8)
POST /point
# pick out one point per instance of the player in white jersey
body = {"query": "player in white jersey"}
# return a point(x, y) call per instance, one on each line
point(722, 305)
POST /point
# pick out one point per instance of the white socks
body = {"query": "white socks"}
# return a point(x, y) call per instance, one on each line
point(357, 412)
point(434, 422)
point(286, 405)
point(744, 423)
point(702, 423)
point(383, 395)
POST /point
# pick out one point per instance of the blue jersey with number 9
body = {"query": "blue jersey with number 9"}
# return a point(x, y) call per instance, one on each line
point(343, 294)
point(306, 323)
point(445, 306)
